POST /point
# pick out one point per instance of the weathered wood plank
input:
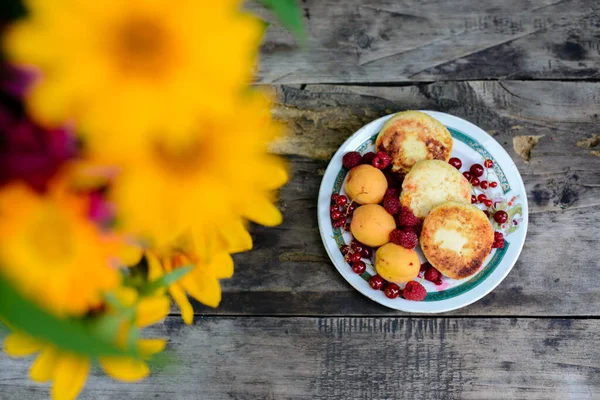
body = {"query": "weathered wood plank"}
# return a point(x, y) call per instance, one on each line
point(356, 358)
point(289, 272)
point(414, 40)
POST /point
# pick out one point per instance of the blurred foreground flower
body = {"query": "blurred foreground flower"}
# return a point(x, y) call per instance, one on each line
point(128, 70)
point(68, 371)
point(28, 151)
point(53, 253)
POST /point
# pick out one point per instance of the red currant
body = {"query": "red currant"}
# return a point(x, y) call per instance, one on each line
point(334, 198)
point(338, 224)
point(475, 181)
point(493, 184)
point(354, 257)
point(467, 175)
point(487, 213)
point(366, 252)
point(476, 170)
point(341, 200)
point(481, 198)
point(455, 162)
point(345, 249)
point(488, 203)
point(337, 215)
point(500, 216)
point(351, 208)
point(359, 267)
point(391, 290)
point(473, 199)
point(483, 184)
point(376, 282)
point(333, 209)
point(357, 246)
point(488, 163)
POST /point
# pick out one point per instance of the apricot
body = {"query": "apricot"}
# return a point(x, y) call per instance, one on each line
point(397, 264)
point(372, 225)
point(366, 184)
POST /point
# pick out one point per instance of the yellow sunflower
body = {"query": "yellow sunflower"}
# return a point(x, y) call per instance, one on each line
point(202, 282)
point(68, 371)
point(53, 253)
point(210, 187)
point(125, 69)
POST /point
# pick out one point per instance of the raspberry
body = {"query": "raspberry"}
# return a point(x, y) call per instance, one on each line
point(391, 205)
point(381, 160)
point(395, 236)
point(414, 291)
point(392, 180)
point(424, 267)
point(433, 275)
point(392, 192)
point(498, 244)
point(367, 158)
point(408, 239)
point(498, 236)
point(407, 218)
point(351, 159)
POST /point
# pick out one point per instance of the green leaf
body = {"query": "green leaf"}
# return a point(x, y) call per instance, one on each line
point(290, 16)
point(167, 279)
point(516, 210)
point(75, 336)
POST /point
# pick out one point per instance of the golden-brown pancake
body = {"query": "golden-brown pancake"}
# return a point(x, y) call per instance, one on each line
point(430, 183)
point(456, 238)
point(412, 136)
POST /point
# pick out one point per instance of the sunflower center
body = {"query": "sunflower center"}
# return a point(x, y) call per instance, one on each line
point(143, 46)
point(51, 237)
point(182, 160)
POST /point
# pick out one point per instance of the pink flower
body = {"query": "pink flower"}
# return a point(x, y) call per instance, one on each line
point(28, 151)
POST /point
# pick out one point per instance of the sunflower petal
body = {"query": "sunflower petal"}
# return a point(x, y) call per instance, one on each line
point(261, 211)
point(203, 287)
point(222, 265)
point(124, 368)
point(147, 347)
point(187, 312)
point(236, 236)
point(151, 310)
point(19, 345)
point(42, 368)
point(155, 269)
point(70, 374)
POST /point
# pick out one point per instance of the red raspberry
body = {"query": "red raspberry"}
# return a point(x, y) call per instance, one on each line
point(498, 244)
point(391, 205)
point(381, 160)
point(367, 158)
point(414, 291)
point(433, 275)
point(392, 192)
point(407, 218)
point(498, 236)
point(424, 266)
point(392, 180)
point(408, 239)
point(351, 159)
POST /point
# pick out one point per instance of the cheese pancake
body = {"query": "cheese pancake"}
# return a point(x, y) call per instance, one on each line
point(430, 183)
point(456, 238)
point(412, 136)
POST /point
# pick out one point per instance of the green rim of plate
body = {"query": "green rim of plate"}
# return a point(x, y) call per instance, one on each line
point(498, 254)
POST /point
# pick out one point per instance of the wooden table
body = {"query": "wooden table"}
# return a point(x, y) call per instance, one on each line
point(289, 326)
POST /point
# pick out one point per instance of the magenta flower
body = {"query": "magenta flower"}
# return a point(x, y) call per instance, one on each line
point(28, 151)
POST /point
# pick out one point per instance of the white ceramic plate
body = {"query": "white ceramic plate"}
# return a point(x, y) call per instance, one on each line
point(472, 145)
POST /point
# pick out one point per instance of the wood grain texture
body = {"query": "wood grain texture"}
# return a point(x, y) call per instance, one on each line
point(356, 358)
point(289, 273)
point(413, 40)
